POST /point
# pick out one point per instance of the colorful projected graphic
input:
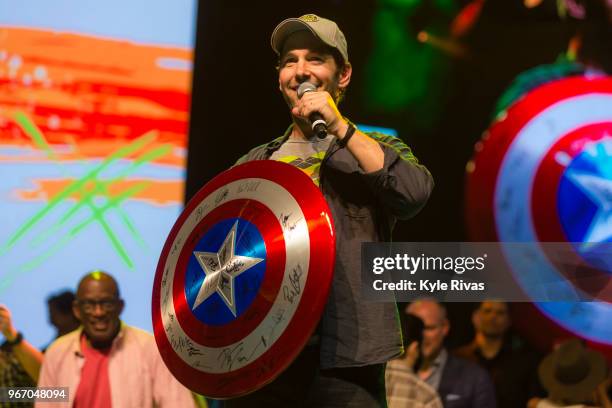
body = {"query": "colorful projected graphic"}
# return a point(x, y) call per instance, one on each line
point(542, 174)
point(93, 139)
point(405, 72)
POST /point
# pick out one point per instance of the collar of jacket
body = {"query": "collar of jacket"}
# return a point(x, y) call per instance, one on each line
point(276, 143)
point(114, 344)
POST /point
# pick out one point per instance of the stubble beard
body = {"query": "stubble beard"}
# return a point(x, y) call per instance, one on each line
point(333, 89)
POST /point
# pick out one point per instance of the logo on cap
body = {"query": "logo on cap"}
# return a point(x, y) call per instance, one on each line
point(309, 18)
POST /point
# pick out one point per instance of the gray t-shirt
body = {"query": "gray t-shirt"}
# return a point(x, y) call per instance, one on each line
point(306, 155)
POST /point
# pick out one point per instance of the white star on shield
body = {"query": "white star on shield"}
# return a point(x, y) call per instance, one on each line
point(599, 191)
point(220, 269)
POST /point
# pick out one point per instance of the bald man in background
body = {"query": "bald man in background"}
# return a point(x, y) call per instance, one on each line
point(107, 363)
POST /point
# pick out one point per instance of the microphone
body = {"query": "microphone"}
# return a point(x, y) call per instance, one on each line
point(319, 127)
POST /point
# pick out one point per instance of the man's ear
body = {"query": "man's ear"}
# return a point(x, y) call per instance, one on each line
point(76, 310)
point(475, 318)
point(446, 327)
point(345, 75)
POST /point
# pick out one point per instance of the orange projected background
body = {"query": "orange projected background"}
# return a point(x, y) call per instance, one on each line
point(93, 139)
point(90, 96)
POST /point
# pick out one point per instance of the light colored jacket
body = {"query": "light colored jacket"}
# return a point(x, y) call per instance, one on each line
point(138, 377)
point(405, 389)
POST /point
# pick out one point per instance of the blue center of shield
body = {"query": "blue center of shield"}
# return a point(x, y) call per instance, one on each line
point(225, 271)
point(585, 203)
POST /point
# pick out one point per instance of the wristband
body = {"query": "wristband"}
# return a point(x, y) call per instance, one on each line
point(15, 341)
point(347, 136)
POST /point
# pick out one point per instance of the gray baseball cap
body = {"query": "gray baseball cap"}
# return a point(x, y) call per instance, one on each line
point(324, 29)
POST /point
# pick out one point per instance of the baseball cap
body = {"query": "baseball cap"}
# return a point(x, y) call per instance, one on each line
point(324, 29)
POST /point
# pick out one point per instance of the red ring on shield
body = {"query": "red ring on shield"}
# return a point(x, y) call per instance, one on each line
point(546, 182)
point(273, 358)
point(217, 336)
point(547, 223)
point(483, 170)
point(483, 173)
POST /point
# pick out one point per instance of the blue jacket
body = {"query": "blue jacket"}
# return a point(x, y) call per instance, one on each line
point(464, 384)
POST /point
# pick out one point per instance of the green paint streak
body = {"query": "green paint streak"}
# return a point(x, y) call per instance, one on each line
point(37, 261)
point(29, 128)
point(114, 241)
point(112, 202)
point(137, 144)
point(132, 229)
point(97, 216)
point(102, 187)
point(33, 263)
point(154, 154)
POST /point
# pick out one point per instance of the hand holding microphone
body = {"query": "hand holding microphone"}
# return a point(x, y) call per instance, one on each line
point(319, 126)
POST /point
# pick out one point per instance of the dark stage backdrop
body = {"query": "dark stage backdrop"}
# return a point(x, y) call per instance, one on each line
point(236, 103)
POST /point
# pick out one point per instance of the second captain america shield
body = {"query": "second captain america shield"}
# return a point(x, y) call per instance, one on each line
point(243, 278)
point(543, 173)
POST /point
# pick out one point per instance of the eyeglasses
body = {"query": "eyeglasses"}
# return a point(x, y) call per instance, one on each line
point(89, 306)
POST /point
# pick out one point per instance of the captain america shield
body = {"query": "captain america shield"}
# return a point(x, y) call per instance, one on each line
point(243, 278)
point(543, 173)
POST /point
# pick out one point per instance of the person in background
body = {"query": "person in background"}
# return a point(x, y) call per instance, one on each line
point(61, 315)
point(459, 382)
point(19, 361)
point(511, 365)
point(404, 388)
point(572, 375)
point(108, 363)
point(604, 393)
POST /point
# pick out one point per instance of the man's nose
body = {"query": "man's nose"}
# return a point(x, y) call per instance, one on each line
point(302, 70)
point(98, 309)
